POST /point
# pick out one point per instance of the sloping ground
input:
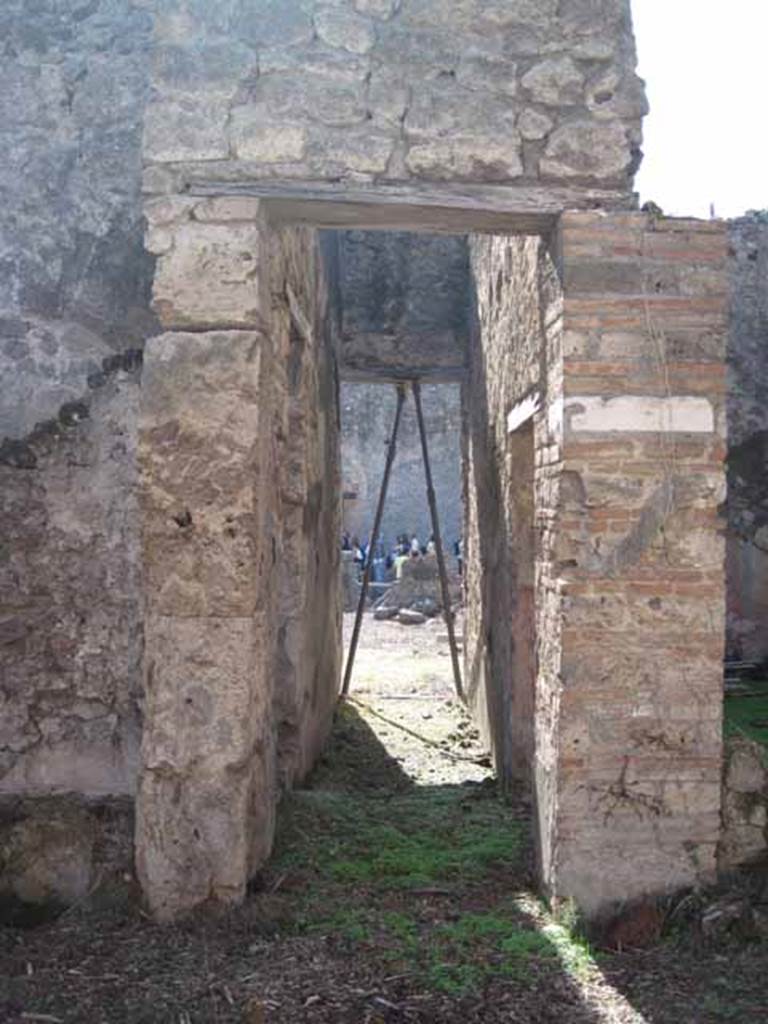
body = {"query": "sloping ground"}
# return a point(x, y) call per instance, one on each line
point(400, 891)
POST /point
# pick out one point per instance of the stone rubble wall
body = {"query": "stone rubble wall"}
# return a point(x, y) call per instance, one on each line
point(238, 451)
point(367, 415)
point(747, 547)
point(744, 838)
point(641, 556)
point(394, 90)
point(70, 595)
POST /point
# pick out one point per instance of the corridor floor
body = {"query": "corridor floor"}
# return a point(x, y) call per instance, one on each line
point(400, 891)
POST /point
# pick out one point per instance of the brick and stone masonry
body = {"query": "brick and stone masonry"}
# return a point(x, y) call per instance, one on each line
point(594, 444)
point(620, 706)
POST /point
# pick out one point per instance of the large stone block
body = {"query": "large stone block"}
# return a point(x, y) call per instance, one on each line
point(228, 257)
point(187, 127)
point(205, 806)
point(588, 150)
point(204, 425)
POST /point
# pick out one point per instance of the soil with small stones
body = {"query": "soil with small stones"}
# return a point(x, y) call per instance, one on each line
point(280, 957)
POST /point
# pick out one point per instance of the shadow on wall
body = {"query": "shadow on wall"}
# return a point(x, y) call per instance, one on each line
point(487, 593)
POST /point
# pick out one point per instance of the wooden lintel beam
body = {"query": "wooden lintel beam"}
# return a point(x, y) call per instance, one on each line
point(455, 209)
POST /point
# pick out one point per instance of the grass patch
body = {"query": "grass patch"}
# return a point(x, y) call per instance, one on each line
point(388, 874)
point(747, 716)
point(421, 880)
point(431, 836)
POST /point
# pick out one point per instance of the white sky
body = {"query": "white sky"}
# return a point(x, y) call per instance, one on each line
point(705, 63)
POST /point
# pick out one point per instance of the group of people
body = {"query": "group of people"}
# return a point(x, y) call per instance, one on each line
point(400, 552)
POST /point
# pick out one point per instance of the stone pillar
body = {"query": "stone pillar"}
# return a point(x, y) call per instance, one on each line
point(635, 730)
point(206, 789)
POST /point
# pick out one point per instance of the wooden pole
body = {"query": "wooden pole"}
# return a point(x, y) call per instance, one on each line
point(447, 612)
point(373, 541)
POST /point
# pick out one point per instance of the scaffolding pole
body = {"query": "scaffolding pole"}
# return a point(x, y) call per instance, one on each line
point(447, 610)
point(373, 541)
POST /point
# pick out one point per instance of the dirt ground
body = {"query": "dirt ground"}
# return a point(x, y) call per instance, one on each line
point(400, 890)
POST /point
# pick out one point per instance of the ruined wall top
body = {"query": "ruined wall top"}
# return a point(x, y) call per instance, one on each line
point(505, 92)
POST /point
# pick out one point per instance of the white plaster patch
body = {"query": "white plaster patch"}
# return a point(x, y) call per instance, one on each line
point(522, 412)
point(684, 414)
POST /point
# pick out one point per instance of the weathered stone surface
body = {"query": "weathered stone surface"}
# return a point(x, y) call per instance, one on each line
point(445, 124)
point(345, 29)
point(202, 392)
point(554, 82)
point(457, 77)
point(516, 295)
point(533, 124)
point(70, 602)
point(205, 807)
point(227, 257)
point(377, 8)
point(71, 113)
point(747, 563)
point(43, 366)
point(588, 150)
point(744, 835)
point(746, 770)
point(656, 550)
point(255, 137)
point(240, 497)
point(191, 127)
point(367, 413)
point(46, 859)
point(404, 301)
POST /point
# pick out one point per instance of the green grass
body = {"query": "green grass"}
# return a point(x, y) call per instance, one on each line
point(368, 868)
point(747, 716)
point(431, 836)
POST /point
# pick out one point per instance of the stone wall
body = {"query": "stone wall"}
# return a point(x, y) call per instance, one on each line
point(511, 471)
point(747, 561)
point(404, 304)
point(74, 298)
point(367, 416)
point(395, 90)
point(74, 275)
point(744, 839)
point(238, 449)
point(70, 595)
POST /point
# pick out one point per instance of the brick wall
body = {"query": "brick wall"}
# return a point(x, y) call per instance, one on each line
point(641, 555)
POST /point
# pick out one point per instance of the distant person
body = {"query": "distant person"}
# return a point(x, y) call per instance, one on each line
point(431, 546)
point(415, 547)
point(359, 554)
point(458, 550)
point(346, 543)
point(400, 561)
